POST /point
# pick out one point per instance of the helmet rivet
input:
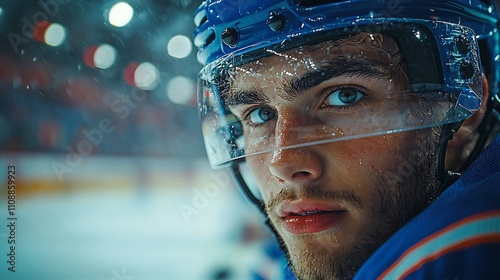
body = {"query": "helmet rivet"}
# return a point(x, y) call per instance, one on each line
point(463, 44)
point(229, 37)
point(466, 70)
point(276, 21)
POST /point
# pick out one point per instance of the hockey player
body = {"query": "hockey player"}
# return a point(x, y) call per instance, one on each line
point(365, 131)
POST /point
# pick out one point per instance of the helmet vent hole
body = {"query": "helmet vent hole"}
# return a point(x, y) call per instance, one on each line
point(203, 20)
point(210, 38)
point(463, 45)
point(229, 37)
point(466, 70)
point(276, 22)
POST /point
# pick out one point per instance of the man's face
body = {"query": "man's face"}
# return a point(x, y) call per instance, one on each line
point(333, 204)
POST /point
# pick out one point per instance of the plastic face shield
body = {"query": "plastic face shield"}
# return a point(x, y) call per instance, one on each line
point(343, 84)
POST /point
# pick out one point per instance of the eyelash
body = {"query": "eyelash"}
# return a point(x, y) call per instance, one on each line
point(331, 90)
point(247, 115)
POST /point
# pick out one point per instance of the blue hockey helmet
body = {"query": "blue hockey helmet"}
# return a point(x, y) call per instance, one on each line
point(439, 42)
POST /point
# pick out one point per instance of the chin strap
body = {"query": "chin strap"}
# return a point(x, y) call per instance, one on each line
point(488, 128)
point(446, 177)
point(242, 185)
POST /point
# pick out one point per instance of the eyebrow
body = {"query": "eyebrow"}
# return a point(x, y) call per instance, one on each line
point(336, 67)
point(240, 97)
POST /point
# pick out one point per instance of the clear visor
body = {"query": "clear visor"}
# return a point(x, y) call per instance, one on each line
point(350, 84)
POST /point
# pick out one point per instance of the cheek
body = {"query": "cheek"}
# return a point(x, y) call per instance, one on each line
point(259, 169)
point(363, 162)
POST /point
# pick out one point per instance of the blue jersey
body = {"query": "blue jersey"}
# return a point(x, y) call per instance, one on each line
point(456, 237)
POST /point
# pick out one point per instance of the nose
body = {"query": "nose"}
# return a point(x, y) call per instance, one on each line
point(294, 165)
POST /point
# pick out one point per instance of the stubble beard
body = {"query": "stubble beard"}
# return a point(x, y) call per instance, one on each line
point(394, 206)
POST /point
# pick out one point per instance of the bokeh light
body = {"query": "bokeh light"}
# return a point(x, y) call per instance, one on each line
point(120, 14)
point(180, 90)
point(105, 56)
point(179, 46)
point(55, 35)
point(39, 30)
point(88, 56)
point(146, 76)
point(129, 73)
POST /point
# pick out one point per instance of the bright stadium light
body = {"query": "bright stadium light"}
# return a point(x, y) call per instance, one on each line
point(120, 14)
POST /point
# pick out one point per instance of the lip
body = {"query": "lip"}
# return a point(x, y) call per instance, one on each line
point(305, 216)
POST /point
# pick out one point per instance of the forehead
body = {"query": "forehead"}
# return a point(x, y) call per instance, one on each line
point(364, 48)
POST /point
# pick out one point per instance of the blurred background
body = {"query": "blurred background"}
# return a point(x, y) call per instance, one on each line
point(98, 119)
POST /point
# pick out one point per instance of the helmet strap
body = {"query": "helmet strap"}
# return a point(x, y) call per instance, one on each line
point(446, 177)
point(242, 185)
point(488, 129)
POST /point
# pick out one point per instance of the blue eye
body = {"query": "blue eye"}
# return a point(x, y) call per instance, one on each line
point(344, 97)
point(261, 115)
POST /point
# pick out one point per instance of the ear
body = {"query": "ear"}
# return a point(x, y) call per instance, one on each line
point(463, 140)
